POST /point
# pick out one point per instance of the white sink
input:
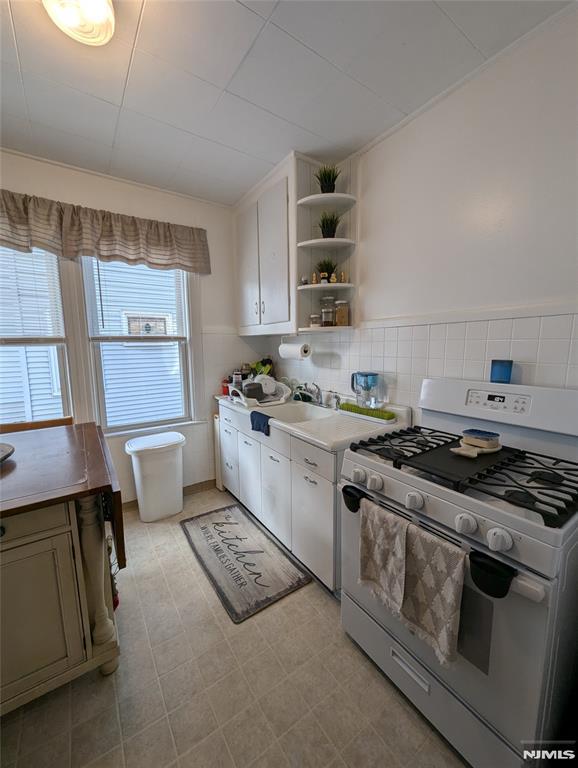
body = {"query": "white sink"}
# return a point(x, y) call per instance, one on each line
point(295, 412)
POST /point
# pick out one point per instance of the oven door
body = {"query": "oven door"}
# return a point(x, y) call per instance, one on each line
point(502, 642)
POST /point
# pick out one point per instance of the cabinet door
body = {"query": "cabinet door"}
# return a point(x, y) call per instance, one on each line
point(40, 616)
point(274, 254)
point(229, 458)
point(276, 494)
point(248, 267)
point(250, 474)
point(312, 524)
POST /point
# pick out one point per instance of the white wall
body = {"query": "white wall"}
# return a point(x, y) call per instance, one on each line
point(473, 203)
point(222, 349)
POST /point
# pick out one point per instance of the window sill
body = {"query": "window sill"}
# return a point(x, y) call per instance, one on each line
point(153, 429)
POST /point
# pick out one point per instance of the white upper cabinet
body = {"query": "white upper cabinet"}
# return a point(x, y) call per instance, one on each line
point(274, 254)
point(248, 267)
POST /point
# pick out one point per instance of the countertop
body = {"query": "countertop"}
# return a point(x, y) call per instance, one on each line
point(333, 433)
point(58, 464)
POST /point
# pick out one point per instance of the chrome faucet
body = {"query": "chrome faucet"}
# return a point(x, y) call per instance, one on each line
point(315, 391)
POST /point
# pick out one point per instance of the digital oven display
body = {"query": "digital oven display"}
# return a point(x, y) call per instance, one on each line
point(497, 398)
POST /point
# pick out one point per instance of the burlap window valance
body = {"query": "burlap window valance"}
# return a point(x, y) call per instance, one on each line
point(70, 231)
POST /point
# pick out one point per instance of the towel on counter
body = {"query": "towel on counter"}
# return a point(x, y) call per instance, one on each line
point(434, 579)
point(382, 546)
point(260, 422)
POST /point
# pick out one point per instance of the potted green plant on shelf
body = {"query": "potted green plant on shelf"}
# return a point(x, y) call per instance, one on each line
point(327, 175)
point(326, 267)
point(328, 223)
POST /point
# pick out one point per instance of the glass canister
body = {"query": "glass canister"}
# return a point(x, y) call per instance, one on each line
point(342, 312)
point(327, 311)
point(315, 321)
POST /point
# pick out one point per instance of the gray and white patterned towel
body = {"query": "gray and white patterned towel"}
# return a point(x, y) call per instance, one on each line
point(382, 549)
point(434, 579)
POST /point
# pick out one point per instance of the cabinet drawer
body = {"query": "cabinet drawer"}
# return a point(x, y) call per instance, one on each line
point(313, 458)
point(33, 522)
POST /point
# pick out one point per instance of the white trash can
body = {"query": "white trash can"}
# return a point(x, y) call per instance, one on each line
point(157, 463)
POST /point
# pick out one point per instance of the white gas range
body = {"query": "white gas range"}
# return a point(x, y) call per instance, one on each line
point(516, 513)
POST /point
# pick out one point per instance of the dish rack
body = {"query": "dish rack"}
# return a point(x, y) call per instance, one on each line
point(281, 395)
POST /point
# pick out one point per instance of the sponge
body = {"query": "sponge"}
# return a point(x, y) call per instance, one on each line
point(376, 413)
point(480, 438)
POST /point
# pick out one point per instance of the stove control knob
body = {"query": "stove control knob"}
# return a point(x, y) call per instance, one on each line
point(358, 475)
point(499, 540)
point(414, 500)
point(465, 523)
point(374, 483)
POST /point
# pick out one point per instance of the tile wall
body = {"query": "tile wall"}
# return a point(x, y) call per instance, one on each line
point(545, 351)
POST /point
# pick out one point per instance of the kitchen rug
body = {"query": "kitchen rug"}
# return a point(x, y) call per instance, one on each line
point(248, 570)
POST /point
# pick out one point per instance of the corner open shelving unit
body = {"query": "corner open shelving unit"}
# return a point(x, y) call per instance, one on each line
point(311, 248)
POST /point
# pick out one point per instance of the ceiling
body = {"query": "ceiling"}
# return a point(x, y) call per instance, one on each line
point(203, 98)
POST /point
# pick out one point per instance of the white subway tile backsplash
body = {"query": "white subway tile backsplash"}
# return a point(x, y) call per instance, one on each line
point(500, 329)
point(524, 350)
point(455, 349)
point(556, 327)
point(526, 328)
point(553, 350)
point(498, 349)
point(541, 349)
point(477, 329)
point(456, 331)
point(475, 349)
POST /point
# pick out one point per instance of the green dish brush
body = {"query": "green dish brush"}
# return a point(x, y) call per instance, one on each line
point(376, 413)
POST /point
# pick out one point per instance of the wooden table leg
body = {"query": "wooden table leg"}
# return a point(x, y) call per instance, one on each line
point(92, 544)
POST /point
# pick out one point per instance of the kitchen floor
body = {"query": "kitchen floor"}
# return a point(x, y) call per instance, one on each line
point(193, 690)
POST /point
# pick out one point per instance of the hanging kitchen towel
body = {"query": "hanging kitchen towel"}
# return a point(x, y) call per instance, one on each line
point(434, 579)
point(382, 553)
point(260, 422)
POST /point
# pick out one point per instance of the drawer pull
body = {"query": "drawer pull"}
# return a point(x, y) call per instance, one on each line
point(309, 480)
point(227, 431)
point(274, 459)
point(2, 531)
point(309, 462)
point(229, 466)
point(229, 421)
point(248, 443)
point(409, 670)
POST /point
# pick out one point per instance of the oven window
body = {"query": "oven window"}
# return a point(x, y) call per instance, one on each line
point(475, 634)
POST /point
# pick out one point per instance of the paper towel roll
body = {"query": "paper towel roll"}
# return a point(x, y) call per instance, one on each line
point(294, 351)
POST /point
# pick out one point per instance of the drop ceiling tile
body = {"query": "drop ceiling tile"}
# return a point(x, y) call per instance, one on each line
point(143, 168)
point(169, 94)
point(150, 138)
point(15, 133)
point(48, 52)
point(335, 30)
point(349, 115)
point(7, 45)
point(250, 129)
point(419, 54)
point(263, 7)
point(217, 173)
point(492, 26)
point(67, 109)
point(67, 148)
point(13, 100)
point(203, 37)
point(281, 75)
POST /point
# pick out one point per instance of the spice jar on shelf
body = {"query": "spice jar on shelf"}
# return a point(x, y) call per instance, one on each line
point(327, 311)
point(315, 321)
point(342, 312)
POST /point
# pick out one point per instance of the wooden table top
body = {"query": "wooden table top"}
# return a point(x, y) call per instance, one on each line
point(59, 464)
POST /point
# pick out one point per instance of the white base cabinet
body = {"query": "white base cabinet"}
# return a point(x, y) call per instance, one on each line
point(313, 522)
point(250, 473)
point(229, 458)
point(276, 494)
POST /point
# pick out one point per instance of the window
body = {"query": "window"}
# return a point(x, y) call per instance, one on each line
point(137, 324)
point(33, 374)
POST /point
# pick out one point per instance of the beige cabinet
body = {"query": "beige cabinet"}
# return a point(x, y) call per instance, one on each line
point(42, 633)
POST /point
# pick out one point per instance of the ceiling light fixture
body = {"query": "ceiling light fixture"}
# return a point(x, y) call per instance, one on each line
point(89, 21)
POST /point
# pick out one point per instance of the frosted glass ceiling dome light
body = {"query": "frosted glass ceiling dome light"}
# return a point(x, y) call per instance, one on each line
point(88, 21)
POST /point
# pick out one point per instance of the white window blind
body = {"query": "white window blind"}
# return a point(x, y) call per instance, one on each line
point(32, 351)
point(138, 331)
